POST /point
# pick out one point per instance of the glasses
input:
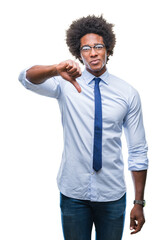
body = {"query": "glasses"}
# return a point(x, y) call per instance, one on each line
point(97, 47)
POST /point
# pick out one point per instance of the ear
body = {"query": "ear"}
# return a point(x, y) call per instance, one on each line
point(108, 53)
point(80, 58)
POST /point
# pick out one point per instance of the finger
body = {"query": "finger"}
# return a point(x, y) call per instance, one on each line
point(73, 70)
point(138, 227)
point(71, 64)
point(136, 231)
point(132, 224)
point(77, 72)
point(76, 85)
point(75, 75)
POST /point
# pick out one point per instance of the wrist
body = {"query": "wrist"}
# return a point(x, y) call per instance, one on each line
point(58, 68)
point(141, 203)
point(55, 70)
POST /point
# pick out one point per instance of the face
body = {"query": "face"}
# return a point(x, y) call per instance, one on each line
point(94, 59)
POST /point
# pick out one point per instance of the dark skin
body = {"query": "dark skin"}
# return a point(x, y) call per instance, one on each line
point(69, 70)
point(137, 218)
point(95, 63)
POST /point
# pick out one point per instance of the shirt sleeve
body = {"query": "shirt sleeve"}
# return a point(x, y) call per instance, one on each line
point(50, 88)
point(135, 135)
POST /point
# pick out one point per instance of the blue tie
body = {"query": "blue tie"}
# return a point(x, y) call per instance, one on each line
point(97, 149)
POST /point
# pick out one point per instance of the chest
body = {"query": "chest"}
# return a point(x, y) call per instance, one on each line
point(114, 105)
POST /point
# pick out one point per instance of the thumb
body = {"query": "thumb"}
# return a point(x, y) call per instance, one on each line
point(76, 85)
point(132, 224)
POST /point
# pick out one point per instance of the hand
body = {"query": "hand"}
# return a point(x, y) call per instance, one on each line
point(70, 70)
point(137, 219)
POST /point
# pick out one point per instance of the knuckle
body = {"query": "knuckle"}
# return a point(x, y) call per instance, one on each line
point(69, 62)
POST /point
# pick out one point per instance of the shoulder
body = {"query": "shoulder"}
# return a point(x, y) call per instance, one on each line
point(123, 86)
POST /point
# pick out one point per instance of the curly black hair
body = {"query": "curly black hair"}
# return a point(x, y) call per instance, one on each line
point(90, 24)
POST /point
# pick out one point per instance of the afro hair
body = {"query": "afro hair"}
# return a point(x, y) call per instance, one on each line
point(90, 24)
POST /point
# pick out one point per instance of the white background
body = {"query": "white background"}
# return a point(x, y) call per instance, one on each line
point(33, 32)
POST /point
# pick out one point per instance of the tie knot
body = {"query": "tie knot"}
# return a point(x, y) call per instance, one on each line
point(97, 80)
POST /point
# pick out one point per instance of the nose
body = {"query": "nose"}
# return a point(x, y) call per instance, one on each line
point(93, 52)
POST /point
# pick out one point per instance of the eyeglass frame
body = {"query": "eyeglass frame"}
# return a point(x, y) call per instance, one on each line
point(90, 48)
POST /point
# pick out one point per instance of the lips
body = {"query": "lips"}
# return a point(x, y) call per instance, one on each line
point(95, 62)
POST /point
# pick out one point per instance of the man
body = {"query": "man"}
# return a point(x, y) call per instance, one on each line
point(95, 105)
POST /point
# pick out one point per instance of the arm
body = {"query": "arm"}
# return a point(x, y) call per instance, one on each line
point(69, 70)
point(137, 161)
point(137, 218)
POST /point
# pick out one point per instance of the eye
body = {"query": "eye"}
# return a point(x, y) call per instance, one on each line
point(99, 46)
point(85, 48)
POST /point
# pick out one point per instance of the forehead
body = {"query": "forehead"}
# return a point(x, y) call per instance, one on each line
point(91, 39)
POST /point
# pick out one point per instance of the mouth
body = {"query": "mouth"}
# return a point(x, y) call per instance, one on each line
point(95, 62)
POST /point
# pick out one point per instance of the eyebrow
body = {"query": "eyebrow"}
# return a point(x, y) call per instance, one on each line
point(94, 44)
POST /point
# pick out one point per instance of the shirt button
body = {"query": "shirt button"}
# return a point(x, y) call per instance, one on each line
point(92, 173)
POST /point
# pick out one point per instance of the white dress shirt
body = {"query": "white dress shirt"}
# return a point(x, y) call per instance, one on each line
point(121, 107)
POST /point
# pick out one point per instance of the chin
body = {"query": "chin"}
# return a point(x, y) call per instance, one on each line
point(96, 68)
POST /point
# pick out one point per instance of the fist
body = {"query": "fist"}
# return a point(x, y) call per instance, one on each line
point(137, 219)
point(70, 70)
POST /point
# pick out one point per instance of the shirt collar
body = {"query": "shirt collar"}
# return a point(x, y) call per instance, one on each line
point(88, 77)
